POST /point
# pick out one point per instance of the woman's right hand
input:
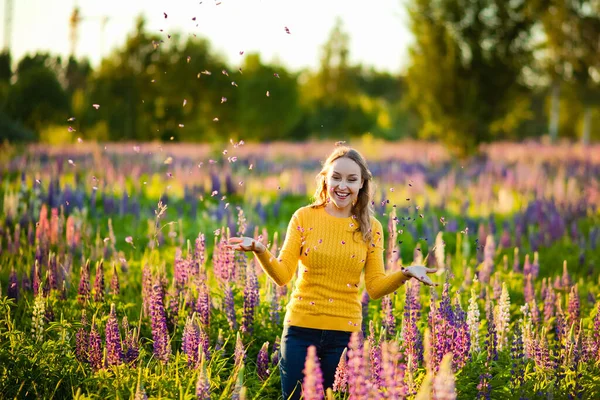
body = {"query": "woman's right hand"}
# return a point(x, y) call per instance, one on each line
point(245, 244)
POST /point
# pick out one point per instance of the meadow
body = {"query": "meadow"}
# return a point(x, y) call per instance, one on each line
point(115, 283)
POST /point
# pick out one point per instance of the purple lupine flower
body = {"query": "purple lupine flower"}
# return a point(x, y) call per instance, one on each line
point(95, 349)
point(356, 374)
point(99, 283)
point(275, 352)
point(180, 274)
point(374, 358)
point(312, 386)
point(200, 255)
point(535, 312)
point(484, 388)
point(190, 342)
point(114, 350)
point(160, 335)
point(203, 304)
point(491, 334)
point(529, 291)
point(13, 285)
point(52, 272)
point(517, 356)
point(230, 307)
point(340, 383)
point(173, 314)
point(541, 355)
point(132, 350)
point(82, 339)
point(115, 288)
point(262, 363)
point(84, 283)
point(549, 303)
point(389, 321)
point(250, 299)
point(239, 353)
point(203, 384)
point(273, 299)
point(393, 371)
point(462, 343)
point(444, 385)
point(411, 337)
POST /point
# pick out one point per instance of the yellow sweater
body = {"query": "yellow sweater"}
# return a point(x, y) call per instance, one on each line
point(331, 262)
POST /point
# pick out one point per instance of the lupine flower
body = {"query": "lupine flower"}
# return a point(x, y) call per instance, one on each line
point(262, 363)
point(444, 386)
point(200, 254)
point(549, 302)
point(240, 352)
point(220, 340)
point(146, 288)
point(542, 356)
point(566, 278)
point(374, 357)
point(411, 337)
point(516, 262)
point(114, 350)
point(203, 304)
point(491, 338)
point(502, 318)
point(131, 350)
point(190, 342)
point(99, 283)
point(573, 310)
point(204, 342)
point(518, 361)
point(364, 301)
point(356, 374)
point(393, 371)
point(39, 313)
point(473, 322)
point(115, 288)
point(340, 383)
point(526, 266)
point(529, 290)
point(230, 307)
point(162, 350)
point(84, 282)
point(312, 386)
point(389, 321)
point(250, 299)
point(535, 267)
point(82, 339)
point(95, 349)
point(239, 391)
point(203, 383)
point(535, 312)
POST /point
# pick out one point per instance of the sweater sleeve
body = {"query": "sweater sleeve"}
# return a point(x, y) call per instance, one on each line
point(378, 284)
point(283, 268)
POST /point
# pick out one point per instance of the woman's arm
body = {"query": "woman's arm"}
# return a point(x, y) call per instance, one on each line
point(283, 268)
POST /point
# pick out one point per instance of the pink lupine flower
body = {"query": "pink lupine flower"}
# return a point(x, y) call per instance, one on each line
point(312, 386)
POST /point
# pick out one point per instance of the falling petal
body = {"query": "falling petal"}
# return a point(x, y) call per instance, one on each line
point(71, 119)
point(170, 175)
point(205, 72)
point(224, 151)
point(184, 102)
point(224, 72)
point(268, 93)
point(241, 52)
point(212, 162)
point(70, 129)
point(106, 239)
point(79, 140)
point(169, 160)
point(250, 166)
point(287, 30)
point(129, 239)
point(214, 193)
point(216, 119)
point(223, 100)
point(71, 162)
point(341, 142)
point(96, 106)
point(240, 183)
point(233, 84)
point(276, 75)
point(136, 149)
point(165, 14)
point(181, 125)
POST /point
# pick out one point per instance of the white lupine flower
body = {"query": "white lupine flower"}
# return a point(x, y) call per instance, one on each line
point(526, 330)
point(473, 321)
point(439, 251)
point(39, 313)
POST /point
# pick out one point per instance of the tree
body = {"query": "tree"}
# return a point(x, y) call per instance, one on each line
point(466, 74)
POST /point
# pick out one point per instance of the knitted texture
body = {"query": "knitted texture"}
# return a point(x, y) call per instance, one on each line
point(329, 258)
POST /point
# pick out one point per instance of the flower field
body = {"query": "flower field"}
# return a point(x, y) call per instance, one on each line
point(115, 282)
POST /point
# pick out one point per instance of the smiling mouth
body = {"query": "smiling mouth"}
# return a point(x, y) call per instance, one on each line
point(342, 196)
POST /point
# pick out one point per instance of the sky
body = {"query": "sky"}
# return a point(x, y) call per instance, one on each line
point(378, 29)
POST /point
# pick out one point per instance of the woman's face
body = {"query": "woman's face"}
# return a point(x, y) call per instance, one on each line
point(344, 181)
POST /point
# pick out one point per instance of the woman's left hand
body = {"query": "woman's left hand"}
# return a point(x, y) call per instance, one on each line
point(420, 272)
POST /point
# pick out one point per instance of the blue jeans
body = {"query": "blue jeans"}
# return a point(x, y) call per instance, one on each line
point(294, 346)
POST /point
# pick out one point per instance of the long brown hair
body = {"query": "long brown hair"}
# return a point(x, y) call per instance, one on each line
point(362, 210)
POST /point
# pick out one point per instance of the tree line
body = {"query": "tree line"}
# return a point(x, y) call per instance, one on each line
point(478, 71)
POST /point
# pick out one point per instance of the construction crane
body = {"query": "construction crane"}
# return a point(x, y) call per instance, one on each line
point(74, 22)
point(8, 10)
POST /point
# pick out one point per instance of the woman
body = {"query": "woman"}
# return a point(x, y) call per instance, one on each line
point(335, 239)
